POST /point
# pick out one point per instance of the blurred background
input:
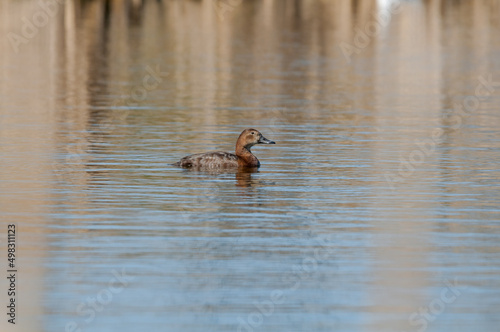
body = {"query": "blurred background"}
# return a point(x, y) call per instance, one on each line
point(377, 209)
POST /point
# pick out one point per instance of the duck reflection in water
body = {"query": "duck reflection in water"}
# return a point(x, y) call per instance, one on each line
point(243, 176)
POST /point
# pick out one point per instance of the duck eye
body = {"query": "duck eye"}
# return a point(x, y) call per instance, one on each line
point(253, 133)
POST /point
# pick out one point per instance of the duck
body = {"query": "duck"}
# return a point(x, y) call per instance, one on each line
point(242, 158)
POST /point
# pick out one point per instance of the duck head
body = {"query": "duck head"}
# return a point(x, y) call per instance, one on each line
point(250, 137)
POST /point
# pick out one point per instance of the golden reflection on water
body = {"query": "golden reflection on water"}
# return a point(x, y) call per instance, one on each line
point(275, 64)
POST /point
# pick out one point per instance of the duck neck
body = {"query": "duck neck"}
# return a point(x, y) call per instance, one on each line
point(247, 158)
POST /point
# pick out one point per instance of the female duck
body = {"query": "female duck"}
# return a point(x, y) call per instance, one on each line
point(219, 159)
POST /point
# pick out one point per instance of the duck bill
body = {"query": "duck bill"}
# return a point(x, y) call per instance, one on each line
point(263, 140)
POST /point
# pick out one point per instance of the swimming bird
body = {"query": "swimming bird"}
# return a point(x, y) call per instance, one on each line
point(242, 158)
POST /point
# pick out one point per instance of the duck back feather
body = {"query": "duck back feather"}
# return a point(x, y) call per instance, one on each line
point(218, 159)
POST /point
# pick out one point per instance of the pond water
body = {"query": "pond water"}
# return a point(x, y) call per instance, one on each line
point(378, 208)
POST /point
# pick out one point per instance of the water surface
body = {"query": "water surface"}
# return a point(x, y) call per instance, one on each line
point(377, 209)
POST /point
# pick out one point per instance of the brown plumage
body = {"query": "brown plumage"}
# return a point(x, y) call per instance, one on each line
point(242, 158)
